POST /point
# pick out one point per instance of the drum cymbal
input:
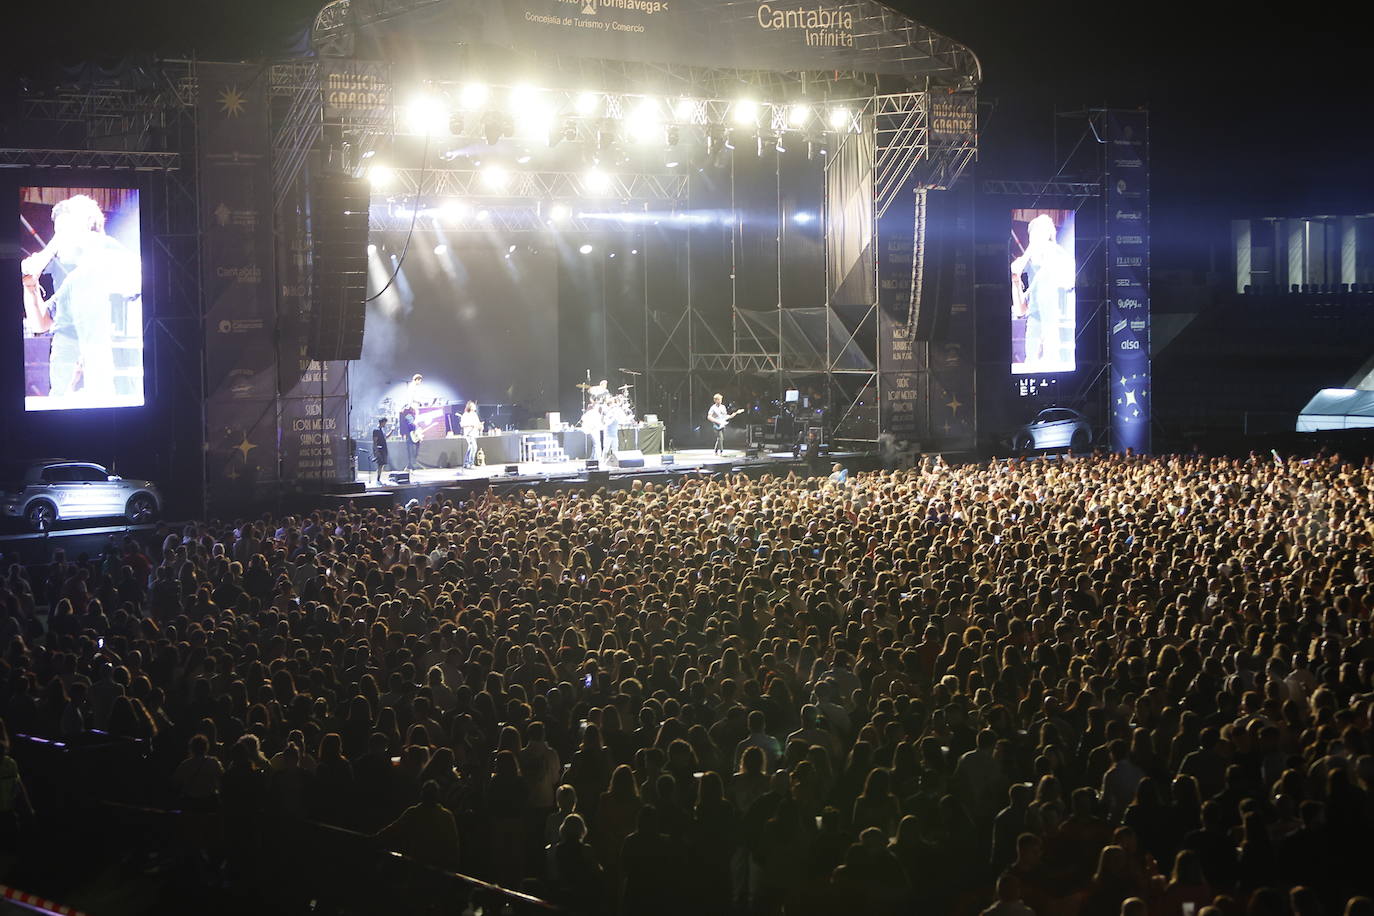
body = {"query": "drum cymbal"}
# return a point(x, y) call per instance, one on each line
point(625, 387)
point(583, 385)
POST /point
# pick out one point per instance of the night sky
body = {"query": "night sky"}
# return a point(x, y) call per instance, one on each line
point(1257, 113)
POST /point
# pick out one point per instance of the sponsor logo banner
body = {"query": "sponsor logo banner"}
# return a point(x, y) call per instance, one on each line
point(1128, 276)
point(787, 35)
point(237, 274)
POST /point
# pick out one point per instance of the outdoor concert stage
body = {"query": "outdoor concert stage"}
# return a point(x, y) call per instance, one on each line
point(656, 468)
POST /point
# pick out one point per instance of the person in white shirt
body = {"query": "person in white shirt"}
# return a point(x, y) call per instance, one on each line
point(471, 425)
point(719, 415)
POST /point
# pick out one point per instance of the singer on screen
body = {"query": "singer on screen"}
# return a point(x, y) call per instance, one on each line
point(93, 273)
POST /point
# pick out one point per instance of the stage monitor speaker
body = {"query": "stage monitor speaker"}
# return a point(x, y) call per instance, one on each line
point(667, 458)
point(630, 458)
point(512, 470)
point(401, 478)
point(593, 464)
point(338, 219)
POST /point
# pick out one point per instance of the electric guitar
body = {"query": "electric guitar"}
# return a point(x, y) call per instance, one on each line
point(726, 422)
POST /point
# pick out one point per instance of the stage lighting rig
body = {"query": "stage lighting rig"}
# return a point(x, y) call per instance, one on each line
point(745, 112)
point(839, 118)
point(473, 96)
point(380, 176)
point(587, 104)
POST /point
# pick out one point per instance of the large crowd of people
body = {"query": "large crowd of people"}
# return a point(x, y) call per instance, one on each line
point(1079, 687)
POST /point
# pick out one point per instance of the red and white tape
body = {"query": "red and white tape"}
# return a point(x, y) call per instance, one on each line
point(36, 902)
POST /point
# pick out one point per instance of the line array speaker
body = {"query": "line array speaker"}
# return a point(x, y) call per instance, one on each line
point(338, 223)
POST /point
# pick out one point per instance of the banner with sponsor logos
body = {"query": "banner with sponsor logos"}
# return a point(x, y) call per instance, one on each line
point(237, 266)
point(314, 439)
point(783, 35)
point(1126, 192)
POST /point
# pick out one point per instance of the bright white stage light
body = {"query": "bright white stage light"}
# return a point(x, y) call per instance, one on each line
point(474, 96)
point(802, 218)
point(427, 115)
point(746, 111)
point(596, 181)
point(634, 251)
point(839, 118)
point(511, 249)
point(441, 248)
point(643, 124)
point(685, 109)
point(558, 213)
point(380, 176)
point(495, 177)
point(587, 104)
point(521, 96)
point(585, 249)
point(453, 212)
point(523, 158)
point(799, 114)
point(484, 214)
point(371, 249)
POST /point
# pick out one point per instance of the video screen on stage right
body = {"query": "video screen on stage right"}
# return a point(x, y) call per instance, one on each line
point(1043, 312)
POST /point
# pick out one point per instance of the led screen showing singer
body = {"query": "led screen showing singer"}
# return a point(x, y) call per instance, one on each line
point(1043, 318)
point(83, 308)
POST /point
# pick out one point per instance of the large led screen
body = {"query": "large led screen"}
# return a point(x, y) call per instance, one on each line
point(1043, 317)
point(83, 307)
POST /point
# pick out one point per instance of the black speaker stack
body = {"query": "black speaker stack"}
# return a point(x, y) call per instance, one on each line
point(338, 223)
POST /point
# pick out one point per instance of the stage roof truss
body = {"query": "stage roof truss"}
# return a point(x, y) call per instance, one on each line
point(95, 160)
point(540, 185)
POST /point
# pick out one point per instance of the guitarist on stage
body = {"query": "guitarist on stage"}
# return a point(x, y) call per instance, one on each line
point(410, 434)
point(720, 417)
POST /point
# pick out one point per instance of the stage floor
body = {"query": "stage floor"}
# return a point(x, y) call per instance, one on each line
point(682, 460)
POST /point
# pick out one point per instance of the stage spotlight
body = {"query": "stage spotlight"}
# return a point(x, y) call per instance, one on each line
point(839, 118)
point(585, 249)
point(558, 213)
point(634, 251)
point(596, 181)
point(380, 176)
point(495, 177)
point(427, 115)
point(685, 109)
point(643, 123)
point(780, 144)
point(441, 248)
point(371, 249)
point(746, 111)
point(729, 139)
point(799, 114)
point(671, 161)
point(803, 218)
point(524, 158)
point(587, 104)
point(473, 96)
point(484, 214)
point(452, 212)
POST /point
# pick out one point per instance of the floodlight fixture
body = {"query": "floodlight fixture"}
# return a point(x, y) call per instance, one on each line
point(473, 96)
point(745, 112)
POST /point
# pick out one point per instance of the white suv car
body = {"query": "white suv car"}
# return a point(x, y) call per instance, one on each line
point(42, 492)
